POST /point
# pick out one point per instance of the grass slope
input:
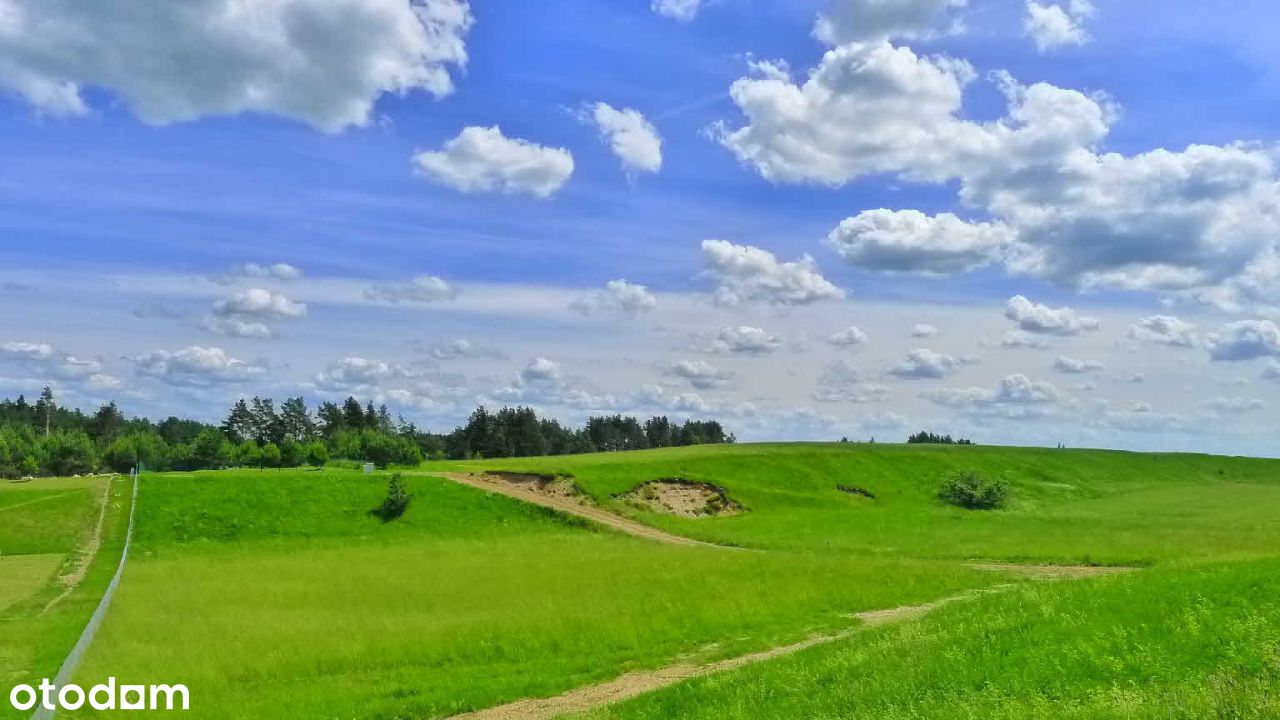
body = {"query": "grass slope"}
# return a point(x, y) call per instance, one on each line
point(1068, 506)
point(276, 594)
point(1165, 643)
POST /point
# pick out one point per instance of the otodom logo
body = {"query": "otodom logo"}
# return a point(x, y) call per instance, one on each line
point(104, 696)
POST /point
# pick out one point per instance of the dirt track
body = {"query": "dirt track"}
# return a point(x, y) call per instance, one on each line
point(570, 507)
point(638, 683)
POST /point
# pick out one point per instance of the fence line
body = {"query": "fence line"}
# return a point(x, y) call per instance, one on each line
point(74, 657)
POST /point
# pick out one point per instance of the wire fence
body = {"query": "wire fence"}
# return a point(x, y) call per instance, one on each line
point(74, 657)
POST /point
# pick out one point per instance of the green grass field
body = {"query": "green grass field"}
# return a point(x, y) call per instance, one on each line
point(277, 594)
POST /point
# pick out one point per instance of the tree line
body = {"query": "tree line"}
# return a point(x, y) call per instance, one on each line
point(42, 438)
point(931, 438)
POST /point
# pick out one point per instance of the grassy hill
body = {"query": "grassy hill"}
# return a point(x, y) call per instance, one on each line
point(1069, 506)
point(278, 594)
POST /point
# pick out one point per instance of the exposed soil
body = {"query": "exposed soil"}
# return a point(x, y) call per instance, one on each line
point(683, 498)
point(558, 486)
point(531, 492)
point(639, 683)
point(73, 574)
point(1056, 571)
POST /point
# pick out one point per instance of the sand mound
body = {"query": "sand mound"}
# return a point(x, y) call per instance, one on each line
point(558, 486)
point(682, 497)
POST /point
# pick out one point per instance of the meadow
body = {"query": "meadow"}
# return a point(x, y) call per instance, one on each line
point(276, 593)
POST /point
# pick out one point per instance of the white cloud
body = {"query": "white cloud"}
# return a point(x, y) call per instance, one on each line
point(848, 337)
point(632, 138)
point(1053, 26)
point(1023, 339)
point(1202, 221)
point(910, 241)
point(618, 297)
point(482, 159)
point(682, 10)
point(1245, 340)
point(247, 313)
point(259, 303)
point(540, 370)
point(841, 381)
point(1014, 396)
point(745, 340)
point(1043, 320)
point(422, 289)
point(748, 274)
point(255, 271)
point(847, 21)
point(1073, 366)
point(923, 330)
point(1164, 330)
point(1234, 405)
point(356, 373)
point(197, 366)
point(700, 374)
point(927, 364)
point(46, 362)
point(463, 349)
point(324, 62)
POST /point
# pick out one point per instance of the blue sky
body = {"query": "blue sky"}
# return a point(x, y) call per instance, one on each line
point(142, 174)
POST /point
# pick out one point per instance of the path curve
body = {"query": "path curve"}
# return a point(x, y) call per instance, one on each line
point(632, 684)
point(587, 512)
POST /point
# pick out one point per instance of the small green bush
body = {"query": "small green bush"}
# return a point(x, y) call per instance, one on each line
point(396, 502)
point(973, 491)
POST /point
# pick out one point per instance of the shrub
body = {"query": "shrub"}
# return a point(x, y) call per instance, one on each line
point(396, 502)
point(972, 491)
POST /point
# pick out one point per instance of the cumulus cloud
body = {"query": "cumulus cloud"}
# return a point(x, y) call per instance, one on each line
point(247, 313)
point(927, 364)
point(849, 21)
point(744, 340)
point(842, 381)
point(356, 374)
point(1073, 366)
point(482, 159)
point(848, 337)
point(1234, 405)
point(540, 370)
point(1164, 330)
point(45, 363)
point(1023, 339)
point(323, 62)
point(682, 10)
point(1245, 340)
point(632, 138)
point(618, 297)
point(463, 349)
point(1202, 221)
point(421, 289)
point(747, 274)
point(909, 241)
point(923, 330)
point(197, 366)
point(1014, 396)
point(700, 374)
point(254, 271)
point(1043, 320)
point(1055, 26)
point(1271, 371)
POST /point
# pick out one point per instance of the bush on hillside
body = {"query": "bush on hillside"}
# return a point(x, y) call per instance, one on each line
point(973, 491)
point(396, 502)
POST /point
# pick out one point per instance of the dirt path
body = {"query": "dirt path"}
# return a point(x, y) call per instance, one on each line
point(638, 683)
point(569, 507)
point(1055, 571)
point(74, 574)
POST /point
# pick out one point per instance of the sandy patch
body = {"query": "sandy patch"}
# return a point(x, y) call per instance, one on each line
point(683, 498)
